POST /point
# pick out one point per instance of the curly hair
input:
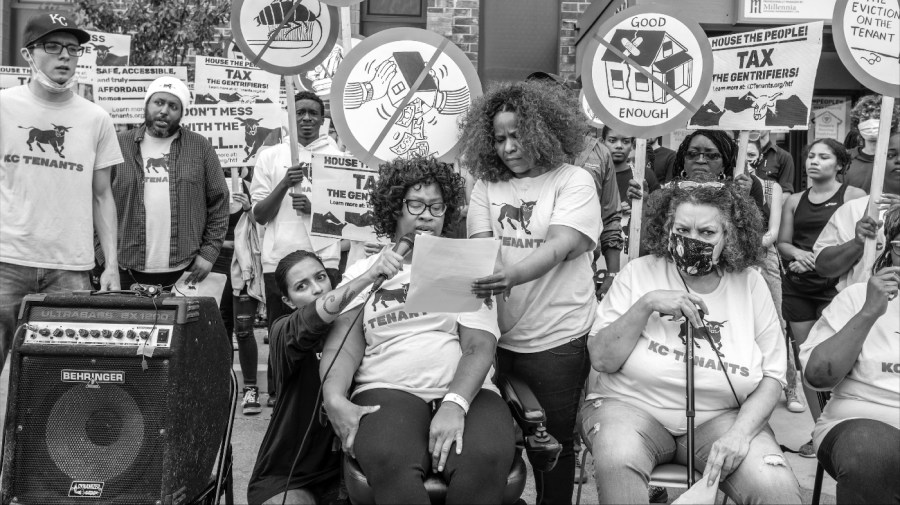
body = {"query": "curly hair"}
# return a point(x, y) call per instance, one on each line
point(841, 154)
point(549, 123)
point(743, 222)
point(396, 177)
point(869, 107)
point(309, 95)
point(723, 142)
point(891, 230)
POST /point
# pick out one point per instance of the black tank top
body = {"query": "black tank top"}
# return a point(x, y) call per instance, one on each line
point(809, 221)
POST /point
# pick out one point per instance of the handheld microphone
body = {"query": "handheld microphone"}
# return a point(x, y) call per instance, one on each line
point(402, 247)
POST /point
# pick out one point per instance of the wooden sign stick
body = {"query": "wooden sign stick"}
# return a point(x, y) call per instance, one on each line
point(292, 126)
point(741, 163)
point(637, 206)
point(878, 167)
point(346, 34)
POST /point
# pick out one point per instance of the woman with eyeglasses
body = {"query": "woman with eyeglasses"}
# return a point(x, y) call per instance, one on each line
point(852, 351)
point(422, 400)
point(702, 238)
point(805, 293)
point(518, 139)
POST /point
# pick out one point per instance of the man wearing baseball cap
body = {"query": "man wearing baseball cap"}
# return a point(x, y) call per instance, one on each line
point(56, 154)
point(170, 193)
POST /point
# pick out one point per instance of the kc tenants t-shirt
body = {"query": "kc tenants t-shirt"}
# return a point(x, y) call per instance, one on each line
point(872, 388)
point(416, 352)
point(560, 305)
point(742, 324)
point(157, 202)
point(48, 155)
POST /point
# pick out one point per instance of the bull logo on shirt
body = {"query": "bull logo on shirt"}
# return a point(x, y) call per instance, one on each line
point(157, 163)
point(54, 138)
point(711, 333)
point(390, 295)
point(512, 213)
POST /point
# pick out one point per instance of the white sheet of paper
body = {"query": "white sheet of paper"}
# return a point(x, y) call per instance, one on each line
point(443, 270)
point(212, 286)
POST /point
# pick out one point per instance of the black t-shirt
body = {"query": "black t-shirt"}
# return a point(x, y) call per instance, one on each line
point(294, 344)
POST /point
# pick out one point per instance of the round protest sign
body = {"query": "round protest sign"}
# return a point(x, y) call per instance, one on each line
point(586, 108)
point(399, 93)
point(867, 40)
point(283, 36)
point(341, 3)
point(319, 79)
point(646, 71)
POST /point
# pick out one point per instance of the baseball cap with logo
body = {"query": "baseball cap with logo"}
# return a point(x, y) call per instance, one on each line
point(169, 84)
point(45, 24)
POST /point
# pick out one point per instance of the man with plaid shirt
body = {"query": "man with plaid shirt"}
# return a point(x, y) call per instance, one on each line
point(170, 192)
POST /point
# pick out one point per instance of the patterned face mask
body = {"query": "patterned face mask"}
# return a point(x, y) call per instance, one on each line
point(692, 256)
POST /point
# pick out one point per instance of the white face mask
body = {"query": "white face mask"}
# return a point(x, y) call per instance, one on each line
point(869, 129)
point(47, 83)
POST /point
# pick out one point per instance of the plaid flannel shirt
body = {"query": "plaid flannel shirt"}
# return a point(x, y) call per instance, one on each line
point(197, 191)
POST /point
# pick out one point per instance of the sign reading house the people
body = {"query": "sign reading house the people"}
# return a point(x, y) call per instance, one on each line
point(222, 80)
point(14, 76)
point(340, 198)
point(120, 91)
point(763, 79)
point(646, 71)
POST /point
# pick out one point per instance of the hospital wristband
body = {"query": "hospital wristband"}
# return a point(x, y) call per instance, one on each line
point(457, 399)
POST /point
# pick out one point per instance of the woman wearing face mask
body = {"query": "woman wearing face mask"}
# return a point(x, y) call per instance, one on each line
point(702, 238)
point(805, 293)
point(867, 113)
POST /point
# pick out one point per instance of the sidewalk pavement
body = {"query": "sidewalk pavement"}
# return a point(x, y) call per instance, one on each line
point(792, 430)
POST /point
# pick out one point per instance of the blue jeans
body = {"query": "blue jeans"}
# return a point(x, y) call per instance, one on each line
point(16, 281)
point(628, 443)
point(556, 376)
point(861, 455)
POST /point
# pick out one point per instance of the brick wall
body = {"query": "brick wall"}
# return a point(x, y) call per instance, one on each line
point(569, 12)
point(458, 21)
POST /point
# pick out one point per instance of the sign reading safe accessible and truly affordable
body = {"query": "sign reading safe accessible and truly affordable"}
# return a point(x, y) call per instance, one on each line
point(120, 90)
point(340, 198)
point(103, 50)
point(763, 79)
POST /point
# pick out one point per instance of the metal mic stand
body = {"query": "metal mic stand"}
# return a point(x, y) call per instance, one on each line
point(689, 407)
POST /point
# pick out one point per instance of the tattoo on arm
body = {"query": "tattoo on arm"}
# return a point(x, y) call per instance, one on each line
point(345, 300)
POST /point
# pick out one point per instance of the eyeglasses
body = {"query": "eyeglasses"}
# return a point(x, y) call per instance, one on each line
point(895, 246)
point(56, 48)
point(417, 207)
point(693, 155)
point(689, 185)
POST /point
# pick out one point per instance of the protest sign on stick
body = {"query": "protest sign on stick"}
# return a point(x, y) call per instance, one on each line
point(222, 80)
point(340, 198)
point(237, 131)
point(637, 206)
point(762, 79)
point(741, 162)
point(120, 91)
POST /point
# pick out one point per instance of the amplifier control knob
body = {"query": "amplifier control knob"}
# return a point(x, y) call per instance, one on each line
point(70, 332)
point(131, 334)
point(118, 333)
point(105, 333)
point(144, 335)
point(58, 333)
point(95, 333)
point(83, 333)
point(44, 331)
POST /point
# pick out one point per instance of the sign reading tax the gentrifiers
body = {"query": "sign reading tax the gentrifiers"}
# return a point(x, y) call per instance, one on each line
point(340, 198)
point(763, 79)
point(221, 80)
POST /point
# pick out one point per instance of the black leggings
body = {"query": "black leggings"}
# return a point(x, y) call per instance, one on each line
point(392, 449)
point(861, 455)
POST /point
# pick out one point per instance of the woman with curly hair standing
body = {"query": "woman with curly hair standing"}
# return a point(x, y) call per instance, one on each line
point(546, 214)
point(702, 240)
point(422, 382)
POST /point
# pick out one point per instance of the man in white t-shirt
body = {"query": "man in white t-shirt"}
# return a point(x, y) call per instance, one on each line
point(171, 194)
point(56, 150)
point(279, 193)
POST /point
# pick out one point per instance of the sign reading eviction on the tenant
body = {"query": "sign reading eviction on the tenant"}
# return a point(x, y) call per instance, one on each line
point(340, 198)
point(236, 131)
point(120, 90)
point(762, 79)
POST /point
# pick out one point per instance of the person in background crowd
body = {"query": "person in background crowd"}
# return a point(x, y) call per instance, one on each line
point(621, 147)
point(703, 238)
point(52, 203)
point(776, 163)
point(805, 293)
point(857, 436)
point(295, 341)
point(518, 139)
point(866, 117)
point(663, 160)
point(771, 268)
point(170, 193)
point(277, 203)
point(421, 382)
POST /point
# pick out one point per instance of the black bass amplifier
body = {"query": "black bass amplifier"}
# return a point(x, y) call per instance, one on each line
point(115, 399)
